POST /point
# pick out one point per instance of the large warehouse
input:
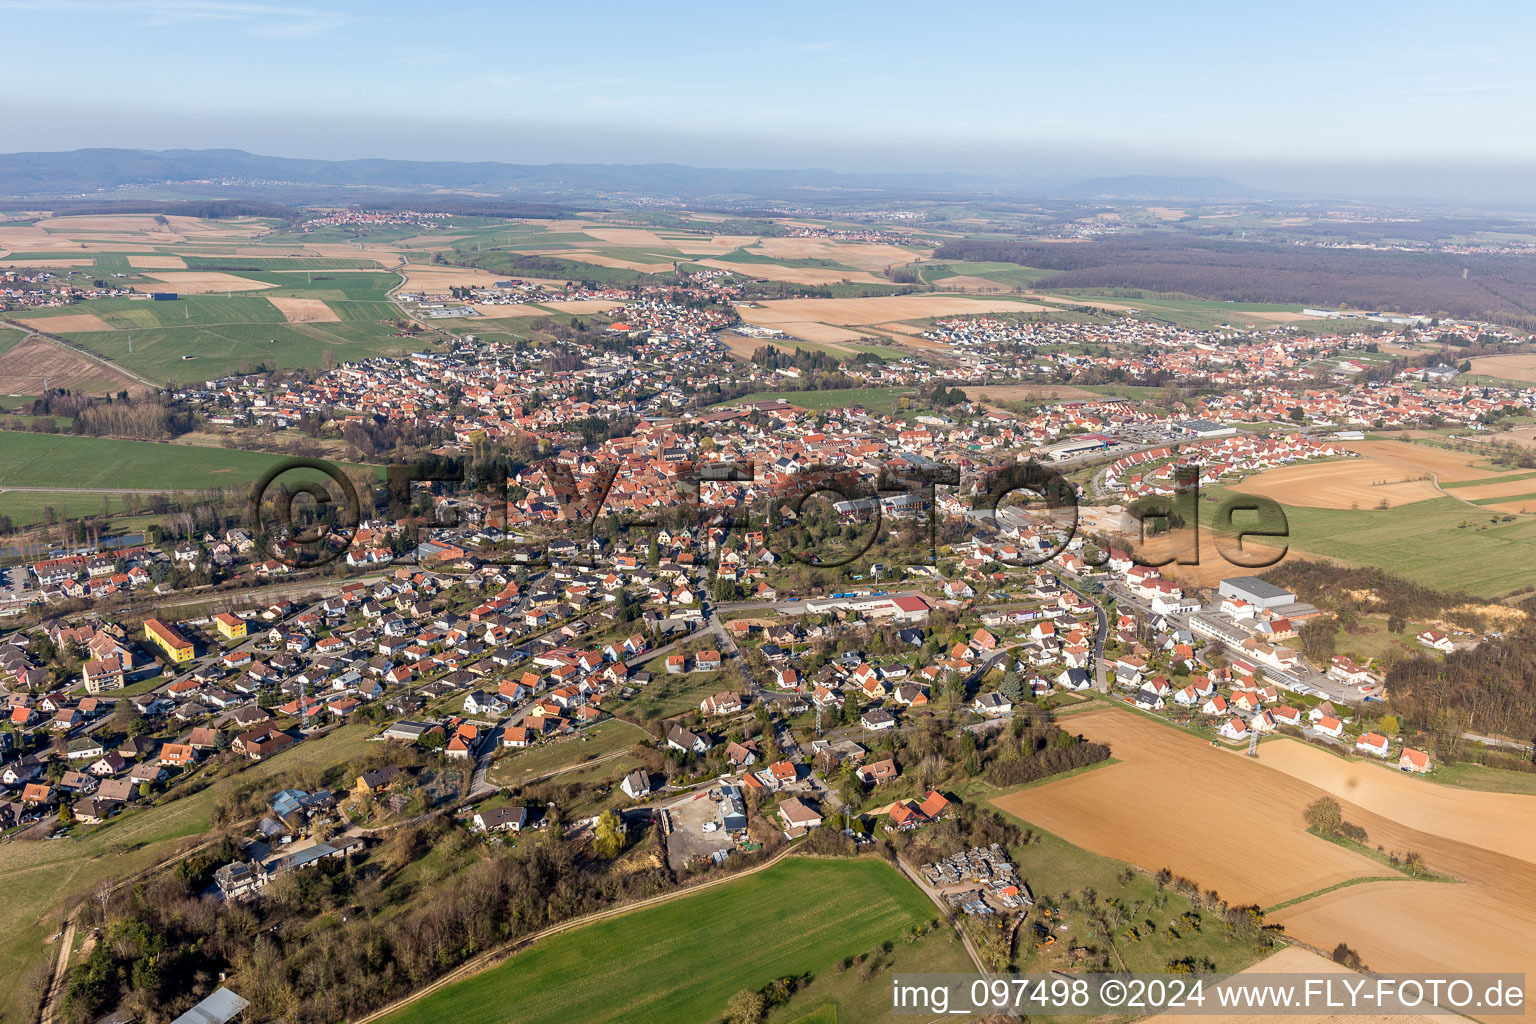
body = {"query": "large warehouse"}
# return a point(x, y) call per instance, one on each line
point(1257, 592)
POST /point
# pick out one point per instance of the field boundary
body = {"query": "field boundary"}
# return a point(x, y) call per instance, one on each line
point(1334, 888)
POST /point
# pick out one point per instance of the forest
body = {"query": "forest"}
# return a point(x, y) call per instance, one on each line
point(1495, 287)
point(1488, 689)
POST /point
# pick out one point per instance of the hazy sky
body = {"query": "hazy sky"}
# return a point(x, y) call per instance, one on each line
point(1272, 92)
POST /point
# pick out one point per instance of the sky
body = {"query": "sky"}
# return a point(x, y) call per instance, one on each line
point(1295, 96)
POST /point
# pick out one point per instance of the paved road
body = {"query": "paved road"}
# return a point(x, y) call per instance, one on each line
point(1495, 741)
point(1100, 678)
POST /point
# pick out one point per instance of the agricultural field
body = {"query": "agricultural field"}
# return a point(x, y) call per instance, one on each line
point(27, 508)
point(1264, 858)
point(848, 344)
point(1432, 542)
point(102, 470)
point(1304, 964)
point(1202, 314)
point(803, 917)
point(27, 365)
point(243, 300)
point(878, 309)
point(1247, 840)
point(961, 276)
point(1516, 367)
point(1347, 483)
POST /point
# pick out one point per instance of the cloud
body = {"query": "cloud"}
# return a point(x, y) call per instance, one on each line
point(270, 21)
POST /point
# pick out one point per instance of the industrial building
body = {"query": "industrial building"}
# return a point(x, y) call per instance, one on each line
point(1257, 592)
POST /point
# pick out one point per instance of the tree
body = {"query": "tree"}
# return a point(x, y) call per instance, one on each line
point(1325, 816)
point(608, 835)
point(1389, 725)
point(746, 1007)
point(1319, 639)
point(1342, 954)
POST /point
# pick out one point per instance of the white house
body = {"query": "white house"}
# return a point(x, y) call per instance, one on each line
point(1372, 743)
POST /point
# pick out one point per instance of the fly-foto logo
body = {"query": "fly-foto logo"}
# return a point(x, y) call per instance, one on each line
point(306, 513)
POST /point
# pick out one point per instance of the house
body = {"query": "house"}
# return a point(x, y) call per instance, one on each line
point(1286, 716)
point(93, 810)
point(992, 704)
point(1329, 726)
point(679, 738)
point(481, 703)
point(230, 627)
point(507, 818)
point(1147, 700)
point(146, 771)
point(1436, 640)
point(636, 785)
point(375, 780)
point(878, 772)
point(107, 765)
point(797, 814)
point(1372, 743)
point(877, 719)
point(1414, 761)
point(261, 743)
point(85, 749)
point(909, 814)
point(741, 755)
point(36, 794)
point(707, 661)
point(177, 755)
point(721, 704)
point(102, 675)
point(1234, 729)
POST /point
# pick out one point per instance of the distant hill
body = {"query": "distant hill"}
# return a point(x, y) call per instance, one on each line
point(1153, 186)
point(83, 172)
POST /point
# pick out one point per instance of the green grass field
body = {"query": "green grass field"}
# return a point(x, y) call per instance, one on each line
point(40, 880)
point(683, 960)
point(1193, 313)
point(873, 399)
point(1423, 541)
point(221, 349)
point(603, 738)
point(669, 695)
point(68, 460)
point(1006, 275)
point(224, 334)
point(28, 507)
point(237, 264)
